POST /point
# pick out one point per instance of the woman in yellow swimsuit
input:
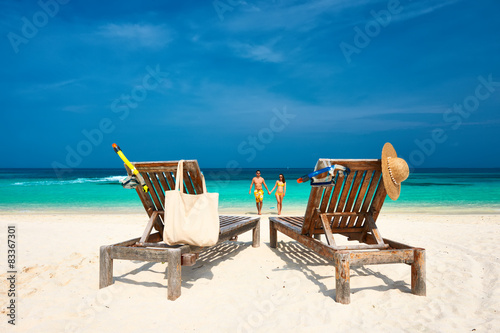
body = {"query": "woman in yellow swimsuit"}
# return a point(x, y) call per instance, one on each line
point(280, 192)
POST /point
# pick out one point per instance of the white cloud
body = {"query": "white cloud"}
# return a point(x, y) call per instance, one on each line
point(57, 85)
point(76, 108)
point(302, 17)
point(338, 14)
point(54, 86)
point(145, 35)
point(422, 8)
point(262, 53)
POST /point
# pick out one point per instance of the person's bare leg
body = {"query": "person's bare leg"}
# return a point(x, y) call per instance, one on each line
point(259, 207)
point(278, 203)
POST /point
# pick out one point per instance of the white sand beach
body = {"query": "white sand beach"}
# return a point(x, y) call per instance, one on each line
point(236, 288)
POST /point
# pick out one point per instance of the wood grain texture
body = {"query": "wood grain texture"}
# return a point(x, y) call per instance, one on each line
point(418, 284)
point(342, 278)
point(273, 235)
point(174, 274)
point(256, 235)
point(312, 204)
point(105, 267)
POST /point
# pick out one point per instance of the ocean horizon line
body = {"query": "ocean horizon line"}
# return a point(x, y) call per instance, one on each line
point(420, 170)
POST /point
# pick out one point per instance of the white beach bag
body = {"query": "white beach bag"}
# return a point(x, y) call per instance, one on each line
point(191, 219)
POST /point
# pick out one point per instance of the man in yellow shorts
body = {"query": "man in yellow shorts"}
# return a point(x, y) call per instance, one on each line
point(258, 192)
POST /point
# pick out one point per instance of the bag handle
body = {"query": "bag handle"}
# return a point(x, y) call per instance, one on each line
point(179, 177)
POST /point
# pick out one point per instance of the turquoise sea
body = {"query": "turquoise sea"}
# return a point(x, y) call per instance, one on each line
point(432, 191)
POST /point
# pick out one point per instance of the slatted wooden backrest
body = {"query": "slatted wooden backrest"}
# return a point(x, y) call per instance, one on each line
point(160, 177)
point(362, 191)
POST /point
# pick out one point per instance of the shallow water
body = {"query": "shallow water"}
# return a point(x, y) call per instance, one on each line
point(97, 190)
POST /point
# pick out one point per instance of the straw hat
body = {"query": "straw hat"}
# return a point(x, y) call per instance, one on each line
point(394, 171)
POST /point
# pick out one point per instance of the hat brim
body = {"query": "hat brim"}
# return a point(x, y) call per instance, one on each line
point(392, 189)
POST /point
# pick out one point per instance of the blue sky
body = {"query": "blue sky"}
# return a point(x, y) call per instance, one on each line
point(249, 84)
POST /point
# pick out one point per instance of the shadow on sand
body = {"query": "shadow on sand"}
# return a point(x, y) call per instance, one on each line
point(208, 259)
point(300, 258)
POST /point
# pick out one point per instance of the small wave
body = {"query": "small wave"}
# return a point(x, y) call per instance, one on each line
point(109, 180)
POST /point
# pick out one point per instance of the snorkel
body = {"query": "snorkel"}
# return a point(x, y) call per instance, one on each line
point(131, 167)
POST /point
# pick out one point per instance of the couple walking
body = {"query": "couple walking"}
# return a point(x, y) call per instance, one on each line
point(259, 192)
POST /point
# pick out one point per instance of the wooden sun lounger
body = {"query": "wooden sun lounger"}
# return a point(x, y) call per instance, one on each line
point(160, 177)
point(350, 208)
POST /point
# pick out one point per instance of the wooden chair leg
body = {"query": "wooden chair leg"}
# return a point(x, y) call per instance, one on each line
point(105, 267)
point(342, 278)
point(256, 235)
point(418, 286)
point(273, 235)
point(174, 274)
